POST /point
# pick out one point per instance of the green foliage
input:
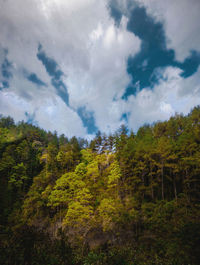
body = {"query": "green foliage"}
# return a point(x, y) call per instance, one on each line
point(18, 177)
point(127, 199)
point(115, 174)
point(109, 211)
point(78, 214)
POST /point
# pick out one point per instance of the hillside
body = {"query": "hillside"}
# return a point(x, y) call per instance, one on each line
point(121, 199)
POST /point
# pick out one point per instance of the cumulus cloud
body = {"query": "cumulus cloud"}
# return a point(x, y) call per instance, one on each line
point(101, 87)
point(50, 112)
point(172, 94)
point(181, 20)
point(88, 51)
point(83, 40)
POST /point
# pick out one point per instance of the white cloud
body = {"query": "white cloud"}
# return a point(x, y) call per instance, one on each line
point(172, 94)
point(85, 42)
point(92, 52)
point(181, 21)
point(12, 105)
point(166, 108)
point(106, 78)
point(49, 112)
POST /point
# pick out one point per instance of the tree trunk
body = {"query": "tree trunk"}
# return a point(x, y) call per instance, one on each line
point(162, 175)
point(175, 191)
point(152, 192)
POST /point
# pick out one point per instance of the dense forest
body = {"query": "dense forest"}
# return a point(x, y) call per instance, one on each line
point(120, 199)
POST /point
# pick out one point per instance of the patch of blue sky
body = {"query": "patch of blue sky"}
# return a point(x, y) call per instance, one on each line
point(32, 77)
point(30, 118)
point(55, 73)
point(125, 117)
point(88, 120)
point(153, 53)
point(6, 71)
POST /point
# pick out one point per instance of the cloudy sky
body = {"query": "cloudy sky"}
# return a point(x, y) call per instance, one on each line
point(79, 66)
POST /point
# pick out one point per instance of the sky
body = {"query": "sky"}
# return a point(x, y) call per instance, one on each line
point(79, 66)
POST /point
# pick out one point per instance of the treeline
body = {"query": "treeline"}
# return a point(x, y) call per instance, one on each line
point(119, 199)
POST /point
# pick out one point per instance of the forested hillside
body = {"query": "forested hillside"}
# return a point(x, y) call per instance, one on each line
point(121, 199)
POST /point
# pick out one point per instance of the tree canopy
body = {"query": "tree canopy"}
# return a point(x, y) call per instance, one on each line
point(122, 198)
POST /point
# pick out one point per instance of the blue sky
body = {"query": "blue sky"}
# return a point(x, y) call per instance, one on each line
point(87, 65)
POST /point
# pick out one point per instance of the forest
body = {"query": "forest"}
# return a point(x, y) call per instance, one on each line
point(121, 199)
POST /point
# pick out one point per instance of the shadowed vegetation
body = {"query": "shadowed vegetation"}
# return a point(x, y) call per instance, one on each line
point(120, 199)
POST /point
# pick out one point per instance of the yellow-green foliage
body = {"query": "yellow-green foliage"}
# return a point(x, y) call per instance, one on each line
point(87, 155)
point(78, 214)
point(133, 193)
point(115, 174)
point(109, 212)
